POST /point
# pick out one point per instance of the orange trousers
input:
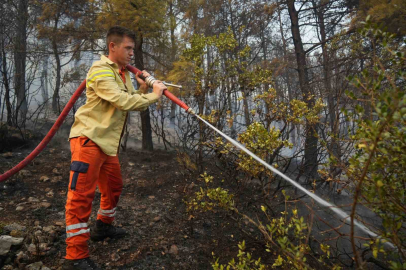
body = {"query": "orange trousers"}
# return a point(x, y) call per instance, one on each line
point(90, 166)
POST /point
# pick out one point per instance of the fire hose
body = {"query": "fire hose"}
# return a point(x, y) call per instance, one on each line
point(150, 81)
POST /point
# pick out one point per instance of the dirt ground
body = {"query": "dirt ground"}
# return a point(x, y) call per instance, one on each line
point(161, 234)
point(152, 209)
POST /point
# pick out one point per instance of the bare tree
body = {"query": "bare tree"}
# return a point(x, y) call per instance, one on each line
point(311, 141)
point(20, 56)
point(4, 43)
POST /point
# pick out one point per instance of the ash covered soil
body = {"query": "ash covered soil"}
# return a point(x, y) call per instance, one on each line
point(161, 234)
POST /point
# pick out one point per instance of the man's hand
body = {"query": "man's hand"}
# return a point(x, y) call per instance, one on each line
point(158, 88)
point(143, 87)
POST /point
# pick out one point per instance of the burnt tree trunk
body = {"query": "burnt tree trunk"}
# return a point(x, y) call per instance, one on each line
point(286, 74)
point(55, 97)
point(201, 100)
point(6, 86)
point(3, 69)
point(334, 151)
point(44, 79)
point(311, 141)
point(145, 117)
point(246, 107)
point(173, 53)
point(20, 55)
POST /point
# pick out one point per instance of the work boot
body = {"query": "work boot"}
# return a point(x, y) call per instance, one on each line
point(81, 264)
point(103, 230)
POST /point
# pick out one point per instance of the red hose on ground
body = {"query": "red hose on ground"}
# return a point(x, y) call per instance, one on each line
point(60, 120)
point(48, 137)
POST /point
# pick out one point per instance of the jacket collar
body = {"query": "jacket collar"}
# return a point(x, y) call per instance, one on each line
point(111, 63)
point(107, 60)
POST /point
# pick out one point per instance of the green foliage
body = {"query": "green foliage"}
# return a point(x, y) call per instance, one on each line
point(391, 14)
point(145, 18)
point(245, 261)
point(287, 237)
point(209, 199)
point(378, 167)
point(261, 142)
point(228, 61)
point(296, 111)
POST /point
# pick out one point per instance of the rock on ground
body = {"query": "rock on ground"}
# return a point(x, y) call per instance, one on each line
point(6, 241)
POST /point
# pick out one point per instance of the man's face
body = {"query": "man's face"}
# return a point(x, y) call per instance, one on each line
point(124, 51)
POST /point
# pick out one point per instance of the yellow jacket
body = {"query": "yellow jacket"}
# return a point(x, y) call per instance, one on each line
point(104, 114)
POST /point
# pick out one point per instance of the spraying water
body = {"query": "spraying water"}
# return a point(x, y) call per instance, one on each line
point(334, 208)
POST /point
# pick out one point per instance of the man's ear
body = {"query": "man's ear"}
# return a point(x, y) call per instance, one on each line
point(112, 46)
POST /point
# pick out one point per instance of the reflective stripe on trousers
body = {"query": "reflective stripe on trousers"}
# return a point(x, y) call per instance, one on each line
point(70, 229)
point(107, 212)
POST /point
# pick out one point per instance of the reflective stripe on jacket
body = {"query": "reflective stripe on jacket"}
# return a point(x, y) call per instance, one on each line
point(103, 116)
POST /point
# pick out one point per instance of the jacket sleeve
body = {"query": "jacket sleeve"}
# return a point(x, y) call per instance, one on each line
point(137, 91)
point(102, 80)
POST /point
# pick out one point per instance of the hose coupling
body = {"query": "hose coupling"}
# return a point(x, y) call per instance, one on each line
point(150, 80)
point(191, 111)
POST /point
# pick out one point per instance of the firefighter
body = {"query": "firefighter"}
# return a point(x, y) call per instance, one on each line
point(94, 141)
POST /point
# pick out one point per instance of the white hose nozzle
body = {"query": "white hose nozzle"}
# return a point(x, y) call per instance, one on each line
point(150, 80)
point(173, 85)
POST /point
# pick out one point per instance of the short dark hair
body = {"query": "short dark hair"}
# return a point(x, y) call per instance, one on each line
point(117, 33)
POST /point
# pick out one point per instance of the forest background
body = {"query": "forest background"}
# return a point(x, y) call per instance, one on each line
point(315, 88)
